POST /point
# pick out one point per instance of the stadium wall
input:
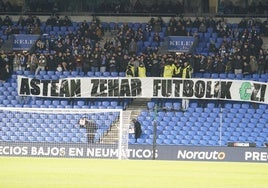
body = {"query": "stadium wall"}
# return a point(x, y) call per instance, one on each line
point(137, 152)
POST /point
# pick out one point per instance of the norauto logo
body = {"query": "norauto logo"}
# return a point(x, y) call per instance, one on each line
point(200, 155)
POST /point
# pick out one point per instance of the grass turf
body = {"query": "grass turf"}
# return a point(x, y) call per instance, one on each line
point(93, 173)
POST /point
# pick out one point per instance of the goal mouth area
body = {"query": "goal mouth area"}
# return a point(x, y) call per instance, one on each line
point(63, 126)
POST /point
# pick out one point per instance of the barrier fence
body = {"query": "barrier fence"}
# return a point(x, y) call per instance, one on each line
point(143, 152)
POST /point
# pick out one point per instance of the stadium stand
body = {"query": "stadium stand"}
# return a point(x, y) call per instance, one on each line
point(203, 124)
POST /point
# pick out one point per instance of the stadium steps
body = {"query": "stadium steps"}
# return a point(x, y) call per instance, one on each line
point(113, 133)
point(138, 104)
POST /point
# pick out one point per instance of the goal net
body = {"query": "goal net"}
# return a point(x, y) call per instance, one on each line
point(90, 133)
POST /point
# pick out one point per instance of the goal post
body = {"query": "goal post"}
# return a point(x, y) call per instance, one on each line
point(90, 128)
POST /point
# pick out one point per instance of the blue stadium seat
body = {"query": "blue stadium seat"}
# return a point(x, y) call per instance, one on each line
point(150, 105)
point(74, 73)
point(159, 141)
point(90, 74)
point(50, 73)
point(132, 141)
point(106, 74)
point(212, 142)
point(231, 76)
point(58, 73)
point(98, 74)
point(122, 74)
point(206, 75)
point(203, 142)
point(114, 103)
point(168, 105)
point(255, 77)
point(214, 75)
point(80, 103)
point(167, 141)
point(264, 77)
point(149, 141)
point(114, 74)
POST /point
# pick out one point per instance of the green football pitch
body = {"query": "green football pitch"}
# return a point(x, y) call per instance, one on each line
point(100, 173)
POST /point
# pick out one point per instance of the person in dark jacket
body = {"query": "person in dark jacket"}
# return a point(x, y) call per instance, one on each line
point(137, 129)
point(4, 72)
point(91, 127)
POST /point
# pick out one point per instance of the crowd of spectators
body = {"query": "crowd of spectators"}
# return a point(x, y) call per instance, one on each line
point(81, 48)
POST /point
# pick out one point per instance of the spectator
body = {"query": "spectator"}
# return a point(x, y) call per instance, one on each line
point(112, 64)
point(133, 47)
point(42, 62)
point(86, 62)
point(212, 47)
point(186, 73)
point(141, 70)
point(51, 21)
point(156, 38)
point(130, 71)
point(246, 66)
point(103, 63)
point(51, 62)
point(18, 62)
point(78, 63)
point(238, 64)
point(71, 61)
point(258, 42)
point(1, 42)
point(262, 62)
point(202, 62)
point(155, 70)
point(95, 62)
point(36, 30)
point(218, 66)
point(60, 59)
point(32, 63)
point(253, 65)
point(121, 64)
point(39, 45)
point(229, 64)
point(178, 69)
point(59, 68)
point(5, 72)
point(169, 68)
point(202, 28)
point(65, 21)
point(7, 21)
